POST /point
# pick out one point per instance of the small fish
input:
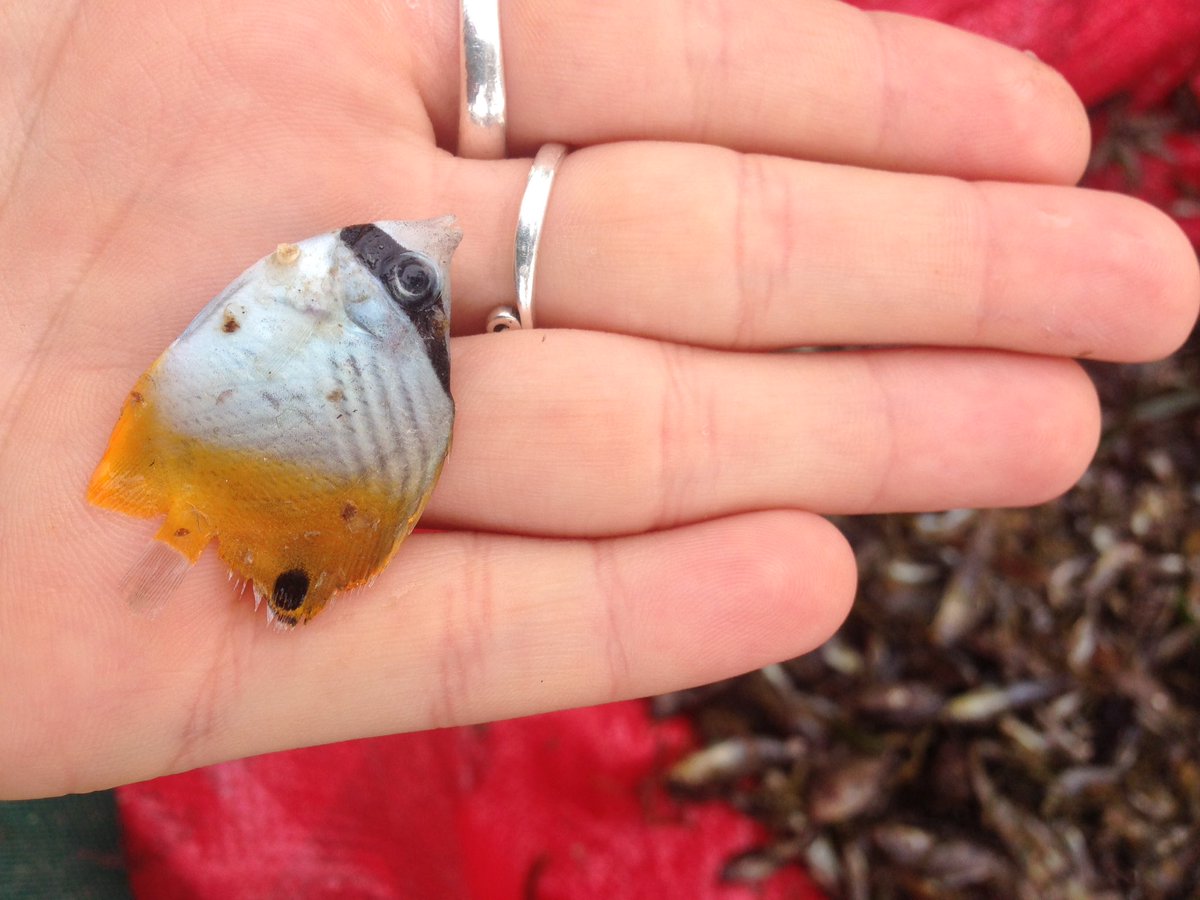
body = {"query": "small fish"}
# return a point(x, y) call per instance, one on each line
point(302, 418)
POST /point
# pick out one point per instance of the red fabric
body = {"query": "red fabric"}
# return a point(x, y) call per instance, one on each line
point(558, 807)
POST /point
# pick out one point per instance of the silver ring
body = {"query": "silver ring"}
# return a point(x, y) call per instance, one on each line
point(529, 233)
point(482, 106)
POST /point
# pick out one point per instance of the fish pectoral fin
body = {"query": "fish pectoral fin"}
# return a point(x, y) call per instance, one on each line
point(153, 578)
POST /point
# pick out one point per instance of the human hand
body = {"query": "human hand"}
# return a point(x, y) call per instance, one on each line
point(630, 507)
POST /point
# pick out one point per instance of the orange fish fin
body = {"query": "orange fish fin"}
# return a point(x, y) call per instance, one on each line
point(153, 578)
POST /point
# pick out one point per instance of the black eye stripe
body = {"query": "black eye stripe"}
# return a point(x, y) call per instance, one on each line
point(374, 247)
point(381, 254)
point(384, 257)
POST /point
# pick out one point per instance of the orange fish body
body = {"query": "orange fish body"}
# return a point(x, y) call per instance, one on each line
point(302, 419)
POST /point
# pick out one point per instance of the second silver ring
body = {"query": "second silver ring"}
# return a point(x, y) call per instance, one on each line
point(529, 233)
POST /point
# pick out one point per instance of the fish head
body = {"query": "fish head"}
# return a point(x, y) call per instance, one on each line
point(395, 277)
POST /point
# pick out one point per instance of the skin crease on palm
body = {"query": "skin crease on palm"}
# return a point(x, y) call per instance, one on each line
point(633, 502)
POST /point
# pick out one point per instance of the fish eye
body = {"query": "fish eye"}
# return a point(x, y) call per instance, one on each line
point(414, 281)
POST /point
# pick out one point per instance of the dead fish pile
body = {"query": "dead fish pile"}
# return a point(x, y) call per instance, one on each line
point(1013, 707)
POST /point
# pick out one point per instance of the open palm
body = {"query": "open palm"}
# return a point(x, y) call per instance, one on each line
point(632, 502)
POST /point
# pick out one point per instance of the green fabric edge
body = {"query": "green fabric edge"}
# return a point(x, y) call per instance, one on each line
point(65, 847)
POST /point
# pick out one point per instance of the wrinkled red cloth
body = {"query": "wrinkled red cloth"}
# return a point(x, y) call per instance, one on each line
point(566, 805)
point(558, 807)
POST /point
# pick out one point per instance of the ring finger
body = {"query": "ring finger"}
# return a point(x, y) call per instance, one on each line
point(703, 245)
point(646, 435)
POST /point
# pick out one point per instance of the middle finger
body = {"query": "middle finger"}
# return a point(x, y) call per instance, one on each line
point(707, 246)
point(642, 434)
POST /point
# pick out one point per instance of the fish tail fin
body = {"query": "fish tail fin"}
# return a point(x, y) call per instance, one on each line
point(153, 578)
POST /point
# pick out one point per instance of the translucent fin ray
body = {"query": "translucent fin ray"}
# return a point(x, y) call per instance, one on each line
point(153, 578)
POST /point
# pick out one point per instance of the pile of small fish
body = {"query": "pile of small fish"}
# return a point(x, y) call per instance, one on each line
point(1013, 707)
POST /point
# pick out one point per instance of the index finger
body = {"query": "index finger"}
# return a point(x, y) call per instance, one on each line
point(813, 79)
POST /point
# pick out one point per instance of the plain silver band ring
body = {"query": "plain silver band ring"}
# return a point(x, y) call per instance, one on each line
point(529, 233)
point(482, 109)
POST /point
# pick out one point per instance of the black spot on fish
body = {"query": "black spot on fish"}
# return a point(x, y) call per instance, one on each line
point(231, 324)
point(290, 590)
point(182, 532)
point(393, 265)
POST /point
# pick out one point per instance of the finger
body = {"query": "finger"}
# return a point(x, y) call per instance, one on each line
point(705, 246)
point(460, 628)
point(817, 79)
point(586, 434)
